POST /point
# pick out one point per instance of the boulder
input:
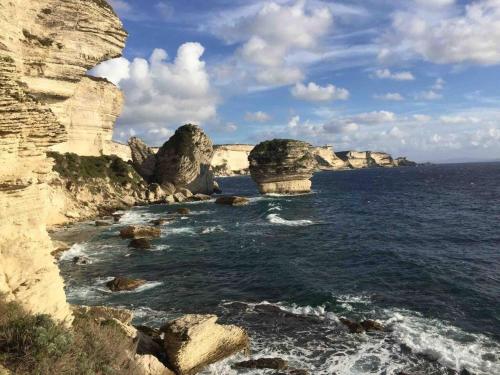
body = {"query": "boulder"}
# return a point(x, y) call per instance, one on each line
point(263, 363)
point(140, 231)
point(161, 221)
point(184, 160)
point(201, 197)
point(195, 341)
point(101, 223)
point(282, 166)
point(360, 327)
point(81, 260)
point(183, 211)
point(155, 193)
point(149, 365)
point(371, 325)
point(179, 197)
point(143, 158)
point(169, 199)
point(140, 243)
point(186, 192)
point(233, 201)
point(124, 284)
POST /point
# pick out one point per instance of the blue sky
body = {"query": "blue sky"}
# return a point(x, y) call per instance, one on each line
point(416, 77)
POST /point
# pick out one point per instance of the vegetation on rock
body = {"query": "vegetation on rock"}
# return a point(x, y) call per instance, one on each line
point(35, 344)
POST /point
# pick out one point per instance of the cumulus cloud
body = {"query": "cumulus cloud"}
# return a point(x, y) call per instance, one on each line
point(162, 94)
point(422, 118)
point(396, 76)
point(390, 96)
point(258, 116)
point(451, 33)
point(375, 117)
point(316, 93)
point(268, 33)
point(429, 95)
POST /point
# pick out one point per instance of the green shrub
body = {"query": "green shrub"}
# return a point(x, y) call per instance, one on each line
point(36, 345)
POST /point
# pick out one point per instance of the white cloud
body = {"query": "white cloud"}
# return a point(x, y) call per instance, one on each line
point(268, 33)
point(258, 116)
point(422, 118)
point(451, 34)
point(314, 92)
point(428, 95)
point(396, 76)
point(163, 94)
point(165, 10)
point(391, 96)
point(375, 117)
point(439, 84)
point(458, 119)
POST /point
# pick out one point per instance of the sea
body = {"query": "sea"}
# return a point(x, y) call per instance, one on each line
point(417, 249)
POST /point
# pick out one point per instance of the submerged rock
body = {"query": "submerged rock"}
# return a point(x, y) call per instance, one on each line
point(195, 341)
point(282, 166)
point(102, 223)
point(232, 201)
point(161, 221)
point(140, 243)
point(184, 160)
point(263, 363)
point(360, 327)
point(124, 284)
point(201, 197)
point(138, 231)
point(81, 261)
point(183, 211)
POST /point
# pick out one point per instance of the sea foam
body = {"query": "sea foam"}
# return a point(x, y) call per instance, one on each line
point(276, 219)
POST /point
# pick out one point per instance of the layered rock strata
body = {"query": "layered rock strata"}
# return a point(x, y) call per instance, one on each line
point(231, 160)
point(143, 158)
point(366, 159)
point(327, 159)
point(46, 48)
point(184, 160)
point(282, 166)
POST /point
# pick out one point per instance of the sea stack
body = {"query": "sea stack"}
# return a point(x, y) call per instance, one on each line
point(184, 161)
point(282, 166)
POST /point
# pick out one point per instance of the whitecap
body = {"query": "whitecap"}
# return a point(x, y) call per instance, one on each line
point(217, 228)
point(182, 230)
point(276, 219)
point(78, 249)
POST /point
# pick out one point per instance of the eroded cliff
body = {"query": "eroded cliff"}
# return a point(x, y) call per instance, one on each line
point(46, 48)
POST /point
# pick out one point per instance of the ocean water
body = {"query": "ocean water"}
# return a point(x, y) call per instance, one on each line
point(417, 249)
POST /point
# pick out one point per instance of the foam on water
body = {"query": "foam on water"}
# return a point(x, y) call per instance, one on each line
point(181, 230)
point(134, 217)
point(78, 249)
point(276, 219)
point(217, 228)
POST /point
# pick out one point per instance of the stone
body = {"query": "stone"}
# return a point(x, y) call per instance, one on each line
point(149, 365)
point(183, 211)
point(81, 260)
point(186, 192)
point(371, 325)
point(117, 217)
point(195, 341)
point(101, 223)
point(169, 199)
point(124, 284)
point(232, 201)
point(263, 363)
point(201, 197)
point(137, 231)
point(155, 193)
point(161, 221)
point(140, 243)
point(143, 158)
point(354, 327)
point(282, 166)
point(184, 160)
point(179, 197)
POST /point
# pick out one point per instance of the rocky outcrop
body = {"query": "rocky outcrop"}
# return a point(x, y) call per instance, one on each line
point(140, 231)
point(143, 158)
point(195, 341)
point(119, 284)
point(404, 162)
point(282, 166)
point(231, 160)
point(327, 159)
point(184, 160)
point(46, 48)
point(232, 201)
point(118, 149)
point(366, 159)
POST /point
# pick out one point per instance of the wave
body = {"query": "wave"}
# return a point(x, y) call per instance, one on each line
point(217, 228)
point(181, 230)
point(276, 219)
point(78, 249)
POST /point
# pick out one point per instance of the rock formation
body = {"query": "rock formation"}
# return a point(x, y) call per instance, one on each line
point(143, 158)
point(282, 166)
point(184, 161)
point(231, 160)
point(404, 162)
point(327, 159)
point(366, 159)
point(195, 341)
point(46, 48)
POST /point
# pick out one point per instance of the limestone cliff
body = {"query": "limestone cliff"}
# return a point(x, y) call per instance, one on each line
point(366, 159)
point(327, 159)
point(282, 166)
point(46, 47)
point(231, 160)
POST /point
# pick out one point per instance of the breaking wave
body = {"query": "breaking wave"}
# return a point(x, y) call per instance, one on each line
point(276, 219)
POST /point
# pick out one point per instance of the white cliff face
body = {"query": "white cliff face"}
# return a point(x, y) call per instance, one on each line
point(46, 47)
point(231, 160)
point(327, 159)
point(366, 159)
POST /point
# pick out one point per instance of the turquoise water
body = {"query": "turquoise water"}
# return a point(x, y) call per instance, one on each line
point(416, 248)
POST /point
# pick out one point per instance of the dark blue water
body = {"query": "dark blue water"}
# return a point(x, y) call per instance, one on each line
point(416, 248)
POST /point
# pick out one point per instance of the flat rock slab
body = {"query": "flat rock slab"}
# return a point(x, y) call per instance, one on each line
point(195, 341)
point(232, 201)
point(140, 231)
point(263, 363)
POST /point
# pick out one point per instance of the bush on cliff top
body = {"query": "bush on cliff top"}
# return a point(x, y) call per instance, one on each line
point(75, 167)
point(36, 345)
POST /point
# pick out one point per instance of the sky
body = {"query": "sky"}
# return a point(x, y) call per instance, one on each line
point(415, 78)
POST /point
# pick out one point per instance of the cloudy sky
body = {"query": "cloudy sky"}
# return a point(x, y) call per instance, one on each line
point(419, 78)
